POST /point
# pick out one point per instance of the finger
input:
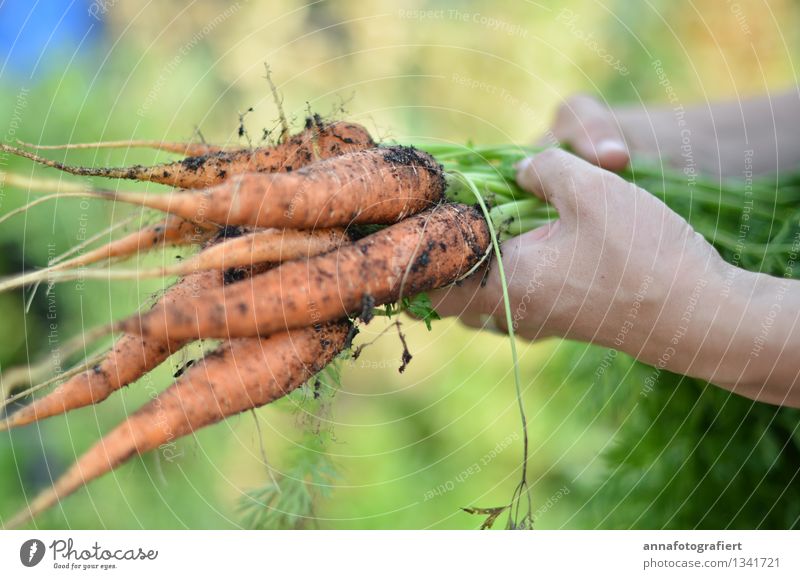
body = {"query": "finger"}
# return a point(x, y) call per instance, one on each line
point(591, 129)
point(482, 322)
point(468, 299)
point(528, 261)
point(561, 179)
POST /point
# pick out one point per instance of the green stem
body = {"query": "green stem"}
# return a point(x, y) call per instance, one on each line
point(510, 323)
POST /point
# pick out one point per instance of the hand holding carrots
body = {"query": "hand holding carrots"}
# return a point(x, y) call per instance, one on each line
point(616, 263)
point(284, 272)
point(621, 269)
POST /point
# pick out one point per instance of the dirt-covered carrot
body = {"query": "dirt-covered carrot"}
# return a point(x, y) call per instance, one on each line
point(129, 359)
point(317, 141)
point(371, 186)
point(424, 252)
point(132, 356)
point(268, 246)
point(186, 149)
point(239, 375)
point(171, 231)
point(263, 246)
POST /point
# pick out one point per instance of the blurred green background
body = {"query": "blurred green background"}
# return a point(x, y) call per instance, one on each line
point(405, 446)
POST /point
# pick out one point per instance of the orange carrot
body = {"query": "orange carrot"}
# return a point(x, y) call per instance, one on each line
point(424, 252)
point(239, 375)
point(171, 231)
point(316, 141)
point(187, 149)
point(268, 246)
point(372, 186)
point(130, 358)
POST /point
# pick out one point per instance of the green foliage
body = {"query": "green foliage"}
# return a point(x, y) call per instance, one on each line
point(288, 499)
point(696, 456)
point(419, 306)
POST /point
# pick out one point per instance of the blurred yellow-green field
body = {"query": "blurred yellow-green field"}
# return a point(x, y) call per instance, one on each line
point(410, 449)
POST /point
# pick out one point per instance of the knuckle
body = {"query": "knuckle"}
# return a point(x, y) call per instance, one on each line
point(547, 170)
point(550, 159)
point(599, 124)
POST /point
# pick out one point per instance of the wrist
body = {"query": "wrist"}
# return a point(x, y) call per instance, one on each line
point(757, 363)
point(688, 319)
point(739, 329)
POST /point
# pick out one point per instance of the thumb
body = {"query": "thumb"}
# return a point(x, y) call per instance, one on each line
point(469, 298)
point(561, 179)
point(481, 295)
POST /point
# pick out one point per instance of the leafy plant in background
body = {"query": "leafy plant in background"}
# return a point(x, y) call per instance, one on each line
point(288, 499)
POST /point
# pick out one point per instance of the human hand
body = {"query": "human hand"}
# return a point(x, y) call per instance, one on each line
point(618, 268)
point(592, 131)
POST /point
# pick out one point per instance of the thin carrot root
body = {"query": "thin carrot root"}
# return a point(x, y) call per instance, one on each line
point(421, 253)
point(372, 186)
point(16, 377)
point(67, 374)
point(278, 103)
point(259, 247)
point(238, 376)
point(316, 141)
point(27, 182)
point(13, 379)
point(62, 188)
point(171, 231)
point(187, 149)
point(90, 240)
point(45, 199)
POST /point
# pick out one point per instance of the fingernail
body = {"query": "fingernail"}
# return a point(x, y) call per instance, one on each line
point(611, 147)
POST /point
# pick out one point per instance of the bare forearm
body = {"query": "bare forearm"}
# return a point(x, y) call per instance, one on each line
point(655, 288)
point(762, 361)
point(737, 329)
point(722, 139)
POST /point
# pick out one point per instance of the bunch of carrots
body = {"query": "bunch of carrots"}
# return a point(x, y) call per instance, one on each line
point(285, 268)
point(297, 243)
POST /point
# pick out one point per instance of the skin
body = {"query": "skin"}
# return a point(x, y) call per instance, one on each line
point(622, 270)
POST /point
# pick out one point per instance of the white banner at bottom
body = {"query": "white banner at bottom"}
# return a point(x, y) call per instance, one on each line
point(414, 554)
